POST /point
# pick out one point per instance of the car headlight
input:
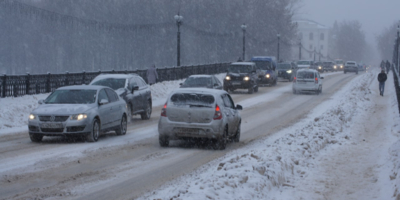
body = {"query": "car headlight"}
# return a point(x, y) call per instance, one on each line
point(246, 78)
point(341, 66)
point(267, 76)
point(334, 66)
point(32, 117)
point(319, 67)
point(289, 71)
point(78, 117)
point(228, 78)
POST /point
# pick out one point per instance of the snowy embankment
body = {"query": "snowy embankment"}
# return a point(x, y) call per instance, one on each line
point(264, 169)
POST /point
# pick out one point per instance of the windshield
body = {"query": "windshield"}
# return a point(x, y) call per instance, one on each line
point(72, 97)
point(302, 62)
point(264, 65)
point(351, 63)
point(339, 62)
point(239, 68)
point(197, 82)
point(114, 83)
point(284, 66)
point(305, 75)
point(192, 99)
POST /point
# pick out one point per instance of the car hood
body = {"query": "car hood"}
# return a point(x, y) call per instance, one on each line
point(268, 71)
point(238, 74)
point(63, 109)
point(300, 66)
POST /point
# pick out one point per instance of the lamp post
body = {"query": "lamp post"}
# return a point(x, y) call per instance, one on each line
point(279, 37)
point(243, 26)
point(397, 47)
point(300, 50)
point(178, 19)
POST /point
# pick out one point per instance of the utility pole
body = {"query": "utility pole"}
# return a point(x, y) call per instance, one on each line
point(244, 41)
point(279, 37)
point(314, 53)
point(178, 19)
point(300, 50)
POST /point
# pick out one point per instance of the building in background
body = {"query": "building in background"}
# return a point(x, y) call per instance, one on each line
point(313, 37)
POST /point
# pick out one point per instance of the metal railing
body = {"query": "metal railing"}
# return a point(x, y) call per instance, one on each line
point(19, 85)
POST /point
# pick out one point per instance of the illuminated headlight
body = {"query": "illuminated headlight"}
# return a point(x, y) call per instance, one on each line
point(289, 71)
point(32, 117)
point(246, 78)
point(341, 66)
point(78, 117)
point(319, 67)
point(334, 66)
point(267, 76)
point(228, 78)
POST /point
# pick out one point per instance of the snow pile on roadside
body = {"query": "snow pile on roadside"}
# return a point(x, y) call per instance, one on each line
point(259, 170)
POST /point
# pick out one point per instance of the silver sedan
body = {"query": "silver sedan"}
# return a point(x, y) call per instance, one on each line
point(81, 110)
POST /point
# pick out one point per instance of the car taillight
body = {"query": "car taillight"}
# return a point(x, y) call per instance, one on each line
point(164, 110)
point(316, 80)
point(217, 114)
point(294, 79)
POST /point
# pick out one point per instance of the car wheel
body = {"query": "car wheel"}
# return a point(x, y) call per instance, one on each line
point(122, 126)
point(93, 136)
point(220, 143)
point(251, 89)
point(147, 113)
point(163, 140)
point(36, 138)
point(256, 88)
point(237, 135)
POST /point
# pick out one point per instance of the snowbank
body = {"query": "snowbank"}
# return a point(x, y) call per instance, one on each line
point(260, 170)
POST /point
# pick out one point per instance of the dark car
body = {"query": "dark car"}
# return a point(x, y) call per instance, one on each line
point(132, 88)
point(319, 67)
point(339, 64)
point(351, 66)
point(204, 81)
point(267, 66)
point(286, 71)
point(329, 66)
point(242, 75)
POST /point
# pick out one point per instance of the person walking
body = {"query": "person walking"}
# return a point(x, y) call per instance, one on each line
point(387, 67)
point(382, 78)
point(383, 65)
point(152, 75)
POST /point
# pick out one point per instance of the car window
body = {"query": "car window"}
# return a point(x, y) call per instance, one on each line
point(198, 82)
point(305, 75)
point(265, 65)
point(114, 83)
point(141, 81)
point(132, 82)
point(103, 95)
point(72, 97)
point(111, 95)
point(227, 101)
point(217, 81)
point(192, 99)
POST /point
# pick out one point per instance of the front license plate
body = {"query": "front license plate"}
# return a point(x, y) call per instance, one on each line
point(236, 83)
point(51, 125)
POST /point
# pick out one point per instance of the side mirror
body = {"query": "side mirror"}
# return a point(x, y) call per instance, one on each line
point(103, 101)
point(180, 83)
point(239, 107)
point(215, 84)
point(135, 88)
point(322, 77)
point(41, 101)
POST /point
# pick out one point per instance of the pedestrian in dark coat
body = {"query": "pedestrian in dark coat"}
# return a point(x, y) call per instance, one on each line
point(152, 75)
point(382, 78)
point(383, 65)
point(387, 66)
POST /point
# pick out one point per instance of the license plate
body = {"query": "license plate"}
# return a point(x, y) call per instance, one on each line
point(236, 83)
point(51, 125)
point(187, 131)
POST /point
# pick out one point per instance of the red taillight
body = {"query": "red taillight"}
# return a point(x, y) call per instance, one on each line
point(294, 79)
point(316, 80)
point(217, 114)
point(164, 110)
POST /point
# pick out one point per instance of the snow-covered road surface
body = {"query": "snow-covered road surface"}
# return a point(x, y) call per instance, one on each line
point(289, 133)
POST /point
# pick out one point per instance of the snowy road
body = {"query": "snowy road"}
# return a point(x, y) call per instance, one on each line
point(134, 164)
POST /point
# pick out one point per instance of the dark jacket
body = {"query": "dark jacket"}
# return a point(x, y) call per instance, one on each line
point(152, 75)
point(382, 77)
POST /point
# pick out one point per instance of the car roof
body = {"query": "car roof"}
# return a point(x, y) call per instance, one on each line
point(82, 87)
point(262, 58)
point(115, 76)
point(201, 75)
point(243, 63)
point(199, 91)
point(310, 70)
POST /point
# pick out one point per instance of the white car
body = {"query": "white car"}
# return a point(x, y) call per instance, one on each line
point(200, 113)
point(307, 80)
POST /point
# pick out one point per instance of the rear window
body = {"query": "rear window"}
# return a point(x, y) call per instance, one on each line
point(192, 99)
point(305, 75)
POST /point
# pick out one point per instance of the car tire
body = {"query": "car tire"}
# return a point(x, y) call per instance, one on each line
point(163, 140)
point(147, 113)
point(94, 134)
point(256, 88)
point(236, 138)
point(122, 126)
point(220, 143)
point(36, 138)
point(251, 89)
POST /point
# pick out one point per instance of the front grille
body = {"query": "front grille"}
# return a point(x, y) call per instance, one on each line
point(33, 128)
point(235, 78)
point(52, 130)
point(75, 128)
point(56, 118)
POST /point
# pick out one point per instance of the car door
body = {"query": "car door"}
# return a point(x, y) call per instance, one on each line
point(142, 92)
point(104, 110)
point(114, 114)
point(229, 113)
point(134, 96)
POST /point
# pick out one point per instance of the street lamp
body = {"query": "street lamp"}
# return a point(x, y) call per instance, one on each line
point(279, 37)
point(178, 19)
point(243, 26)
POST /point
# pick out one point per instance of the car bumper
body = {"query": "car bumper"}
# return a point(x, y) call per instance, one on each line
point(305, 87)
point(182, 130)
point(237, 84)
point(59, 128)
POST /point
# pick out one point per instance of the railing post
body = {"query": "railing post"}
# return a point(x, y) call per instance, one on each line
point(28, 85)
point(4, 86)
point(15, 90)
point(66, 78)
point(48, 83)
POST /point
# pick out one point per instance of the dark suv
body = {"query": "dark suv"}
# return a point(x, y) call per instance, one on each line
point(132, 88)
point(242, 75)
point(350, 66)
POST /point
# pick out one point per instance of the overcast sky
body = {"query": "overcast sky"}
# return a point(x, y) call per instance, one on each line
point(374, 15)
